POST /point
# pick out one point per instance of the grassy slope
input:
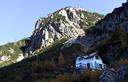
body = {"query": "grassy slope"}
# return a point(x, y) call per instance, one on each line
point(12, 50)
point(46, 65)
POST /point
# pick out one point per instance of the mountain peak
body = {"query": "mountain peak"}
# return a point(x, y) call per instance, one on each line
point(67, 22)
point(74, 8)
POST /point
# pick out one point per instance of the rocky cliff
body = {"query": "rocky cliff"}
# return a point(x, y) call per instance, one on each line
point(109, 35)
point(68, 22)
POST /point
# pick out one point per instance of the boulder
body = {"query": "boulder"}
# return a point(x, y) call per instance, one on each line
point(122, 72)
point(109, 76)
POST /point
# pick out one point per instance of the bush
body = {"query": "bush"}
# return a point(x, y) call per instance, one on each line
point(36, 67)
point(47, 65)
point(61, 59)
point(123, 61)
point(91, 76)
point(42, 66)
point(85, 76)
point(66, 78)
point(42, 80)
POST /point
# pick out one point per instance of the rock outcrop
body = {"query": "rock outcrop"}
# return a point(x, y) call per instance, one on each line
point(112, 75)
point(109, 76)
point(21, 57)
point(122, 72)
point(67, 23)
point(4, 58)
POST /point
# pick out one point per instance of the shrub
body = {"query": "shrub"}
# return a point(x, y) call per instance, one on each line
point(85, 76)
point(123, 35)
point(43, 80)
point(91, 76)
point(123, 61)
point(35, 66)
point(66, 78)
point(61, 59)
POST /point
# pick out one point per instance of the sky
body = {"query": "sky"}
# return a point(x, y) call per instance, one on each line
point(18, 17)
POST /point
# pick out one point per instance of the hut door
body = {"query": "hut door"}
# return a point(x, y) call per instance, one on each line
point(88, 65)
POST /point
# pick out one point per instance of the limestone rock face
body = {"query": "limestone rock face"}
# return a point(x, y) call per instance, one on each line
point(21, 57)
point(68, 22)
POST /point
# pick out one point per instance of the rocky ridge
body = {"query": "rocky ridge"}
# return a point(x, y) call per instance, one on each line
point(68, 22)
